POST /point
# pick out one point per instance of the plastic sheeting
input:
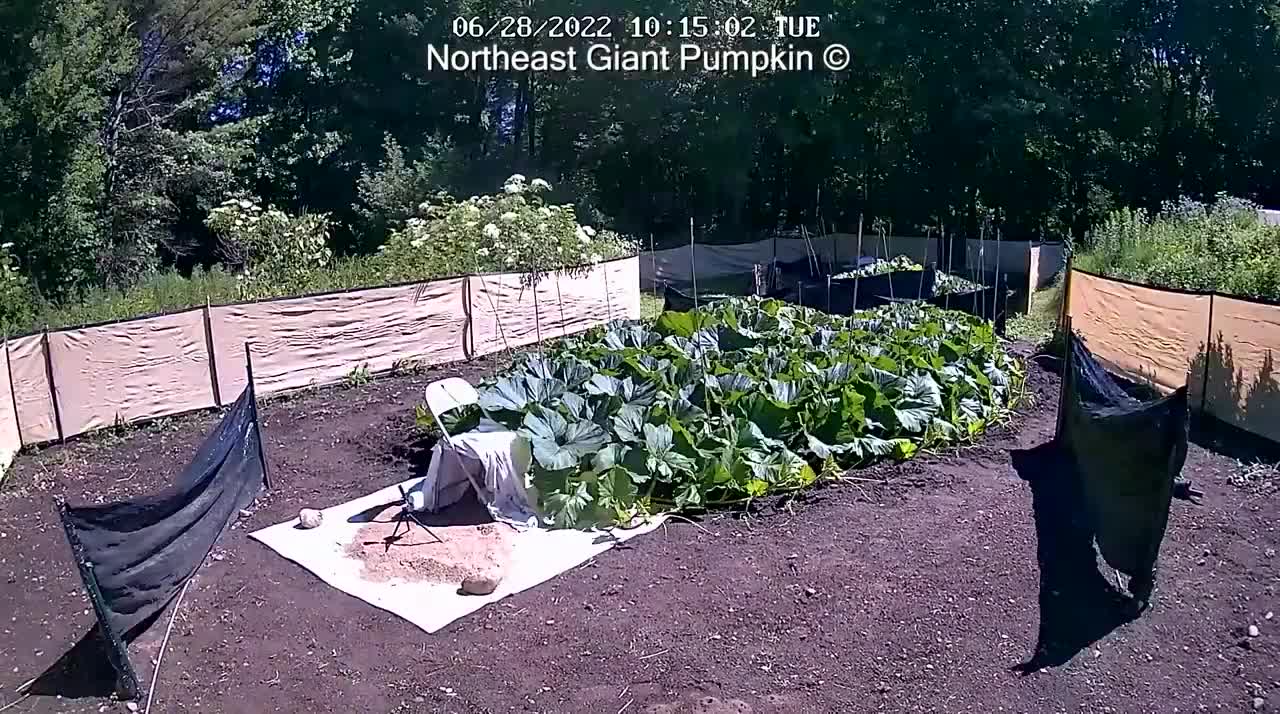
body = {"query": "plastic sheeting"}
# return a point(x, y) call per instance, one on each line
point(129, 371)
point(134, 556)
point(674, 266)
point(1148, 335)
point(1127, 453)
point(1243, 385)
point(319, 339)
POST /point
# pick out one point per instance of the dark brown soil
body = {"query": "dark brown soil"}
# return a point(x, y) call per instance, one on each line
point(920, 594)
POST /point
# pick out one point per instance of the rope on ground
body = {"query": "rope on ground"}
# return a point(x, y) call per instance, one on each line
point(155, 675)
point(15, 703)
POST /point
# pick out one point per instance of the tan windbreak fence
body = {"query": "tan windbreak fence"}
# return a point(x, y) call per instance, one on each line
point(1222, 348)
point(74, 381)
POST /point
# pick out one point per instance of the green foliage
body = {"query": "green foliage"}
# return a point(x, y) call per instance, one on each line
point(1222, 247)
point(16, 307)
point(390, 194)
point(358, 376)
point(744, 398)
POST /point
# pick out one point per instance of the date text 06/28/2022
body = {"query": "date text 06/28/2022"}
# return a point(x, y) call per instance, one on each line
point(603, 27)
point(602, 57)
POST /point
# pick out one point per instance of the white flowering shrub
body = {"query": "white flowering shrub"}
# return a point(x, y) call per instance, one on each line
point(275, 250)
point(513, 231)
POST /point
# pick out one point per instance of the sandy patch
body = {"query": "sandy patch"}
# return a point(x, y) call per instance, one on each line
point(395, 549)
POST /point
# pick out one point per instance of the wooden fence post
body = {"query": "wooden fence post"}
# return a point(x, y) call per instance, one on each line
point(253, 396)
point(213, 357)
point(1208, 350)
point(53, 387)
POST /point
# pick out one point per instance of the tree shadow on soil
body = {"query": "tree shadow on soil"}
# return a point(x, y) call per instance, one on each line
point(1078, 606)
point(1238, 408)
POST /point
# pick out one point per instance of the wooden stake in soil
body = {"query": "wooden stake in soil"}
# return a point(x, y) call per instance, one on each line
point(693, 266)
point(1065, 392)
point(213, 357)
point(253, 395)
point(53, 387)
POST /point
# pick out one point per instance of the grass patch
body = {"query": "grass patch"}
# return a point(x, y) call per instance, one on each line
point(1041, 321)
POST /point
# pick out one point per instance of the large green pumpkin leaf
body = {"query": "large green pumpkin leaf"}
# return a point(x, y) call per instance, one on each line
point(569, 509)
point(629, 423)
point(507, 394)
point(682, 324)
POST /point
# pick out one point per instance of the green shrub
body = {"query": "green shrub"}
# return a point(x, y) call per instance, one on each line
point(1223, 247)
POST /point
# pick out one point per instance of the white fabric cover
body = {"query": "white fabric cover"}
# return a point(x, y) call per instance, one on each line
point(496, 462)
point(537, 555)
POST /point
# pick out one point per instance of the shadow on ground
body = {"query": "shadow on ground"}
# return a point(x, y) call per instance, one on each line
point(1078, 606)
point(84, 671)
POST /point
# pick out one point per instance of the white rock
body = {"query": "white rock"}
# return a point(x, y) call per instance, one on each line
point(481, 583)
point(1259, 703)
point(1253, 631)
point(1269, 615)
point(310, 517)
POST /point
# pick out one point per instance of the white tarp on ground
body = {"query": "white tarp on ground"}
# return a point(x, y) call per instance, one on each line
point(537, 555)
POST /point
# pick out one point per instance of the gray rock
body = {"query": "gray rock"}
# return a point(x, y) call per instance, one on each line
point(483, 583)
point(310, 517)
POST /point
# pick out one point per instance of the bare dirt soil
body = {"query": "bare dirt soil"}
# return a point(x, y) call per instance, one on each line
point(922, 592)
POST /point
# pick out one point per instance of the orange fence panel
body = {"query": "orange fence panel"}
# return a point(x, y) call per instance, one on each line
point(1243, 387)
point(1148, 335)
point(319, 339)
point(130, 371)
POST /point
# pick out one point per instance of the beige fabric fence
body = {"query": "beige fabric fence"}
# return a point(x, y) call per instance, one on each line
point(1222, 348)
point(70, 382)
point(319, 339)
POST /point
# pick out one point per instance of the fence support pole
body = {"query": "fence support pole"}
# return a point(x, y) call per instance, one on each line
point(1208, 350)
point(13, 397)
point(564, 322)
point(468, 326)
point(608, 299)
point(53, 387)
point(253, 396)
point(1064, 393)
point(1066, 294)
point(537, 315)
point(213, 358)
